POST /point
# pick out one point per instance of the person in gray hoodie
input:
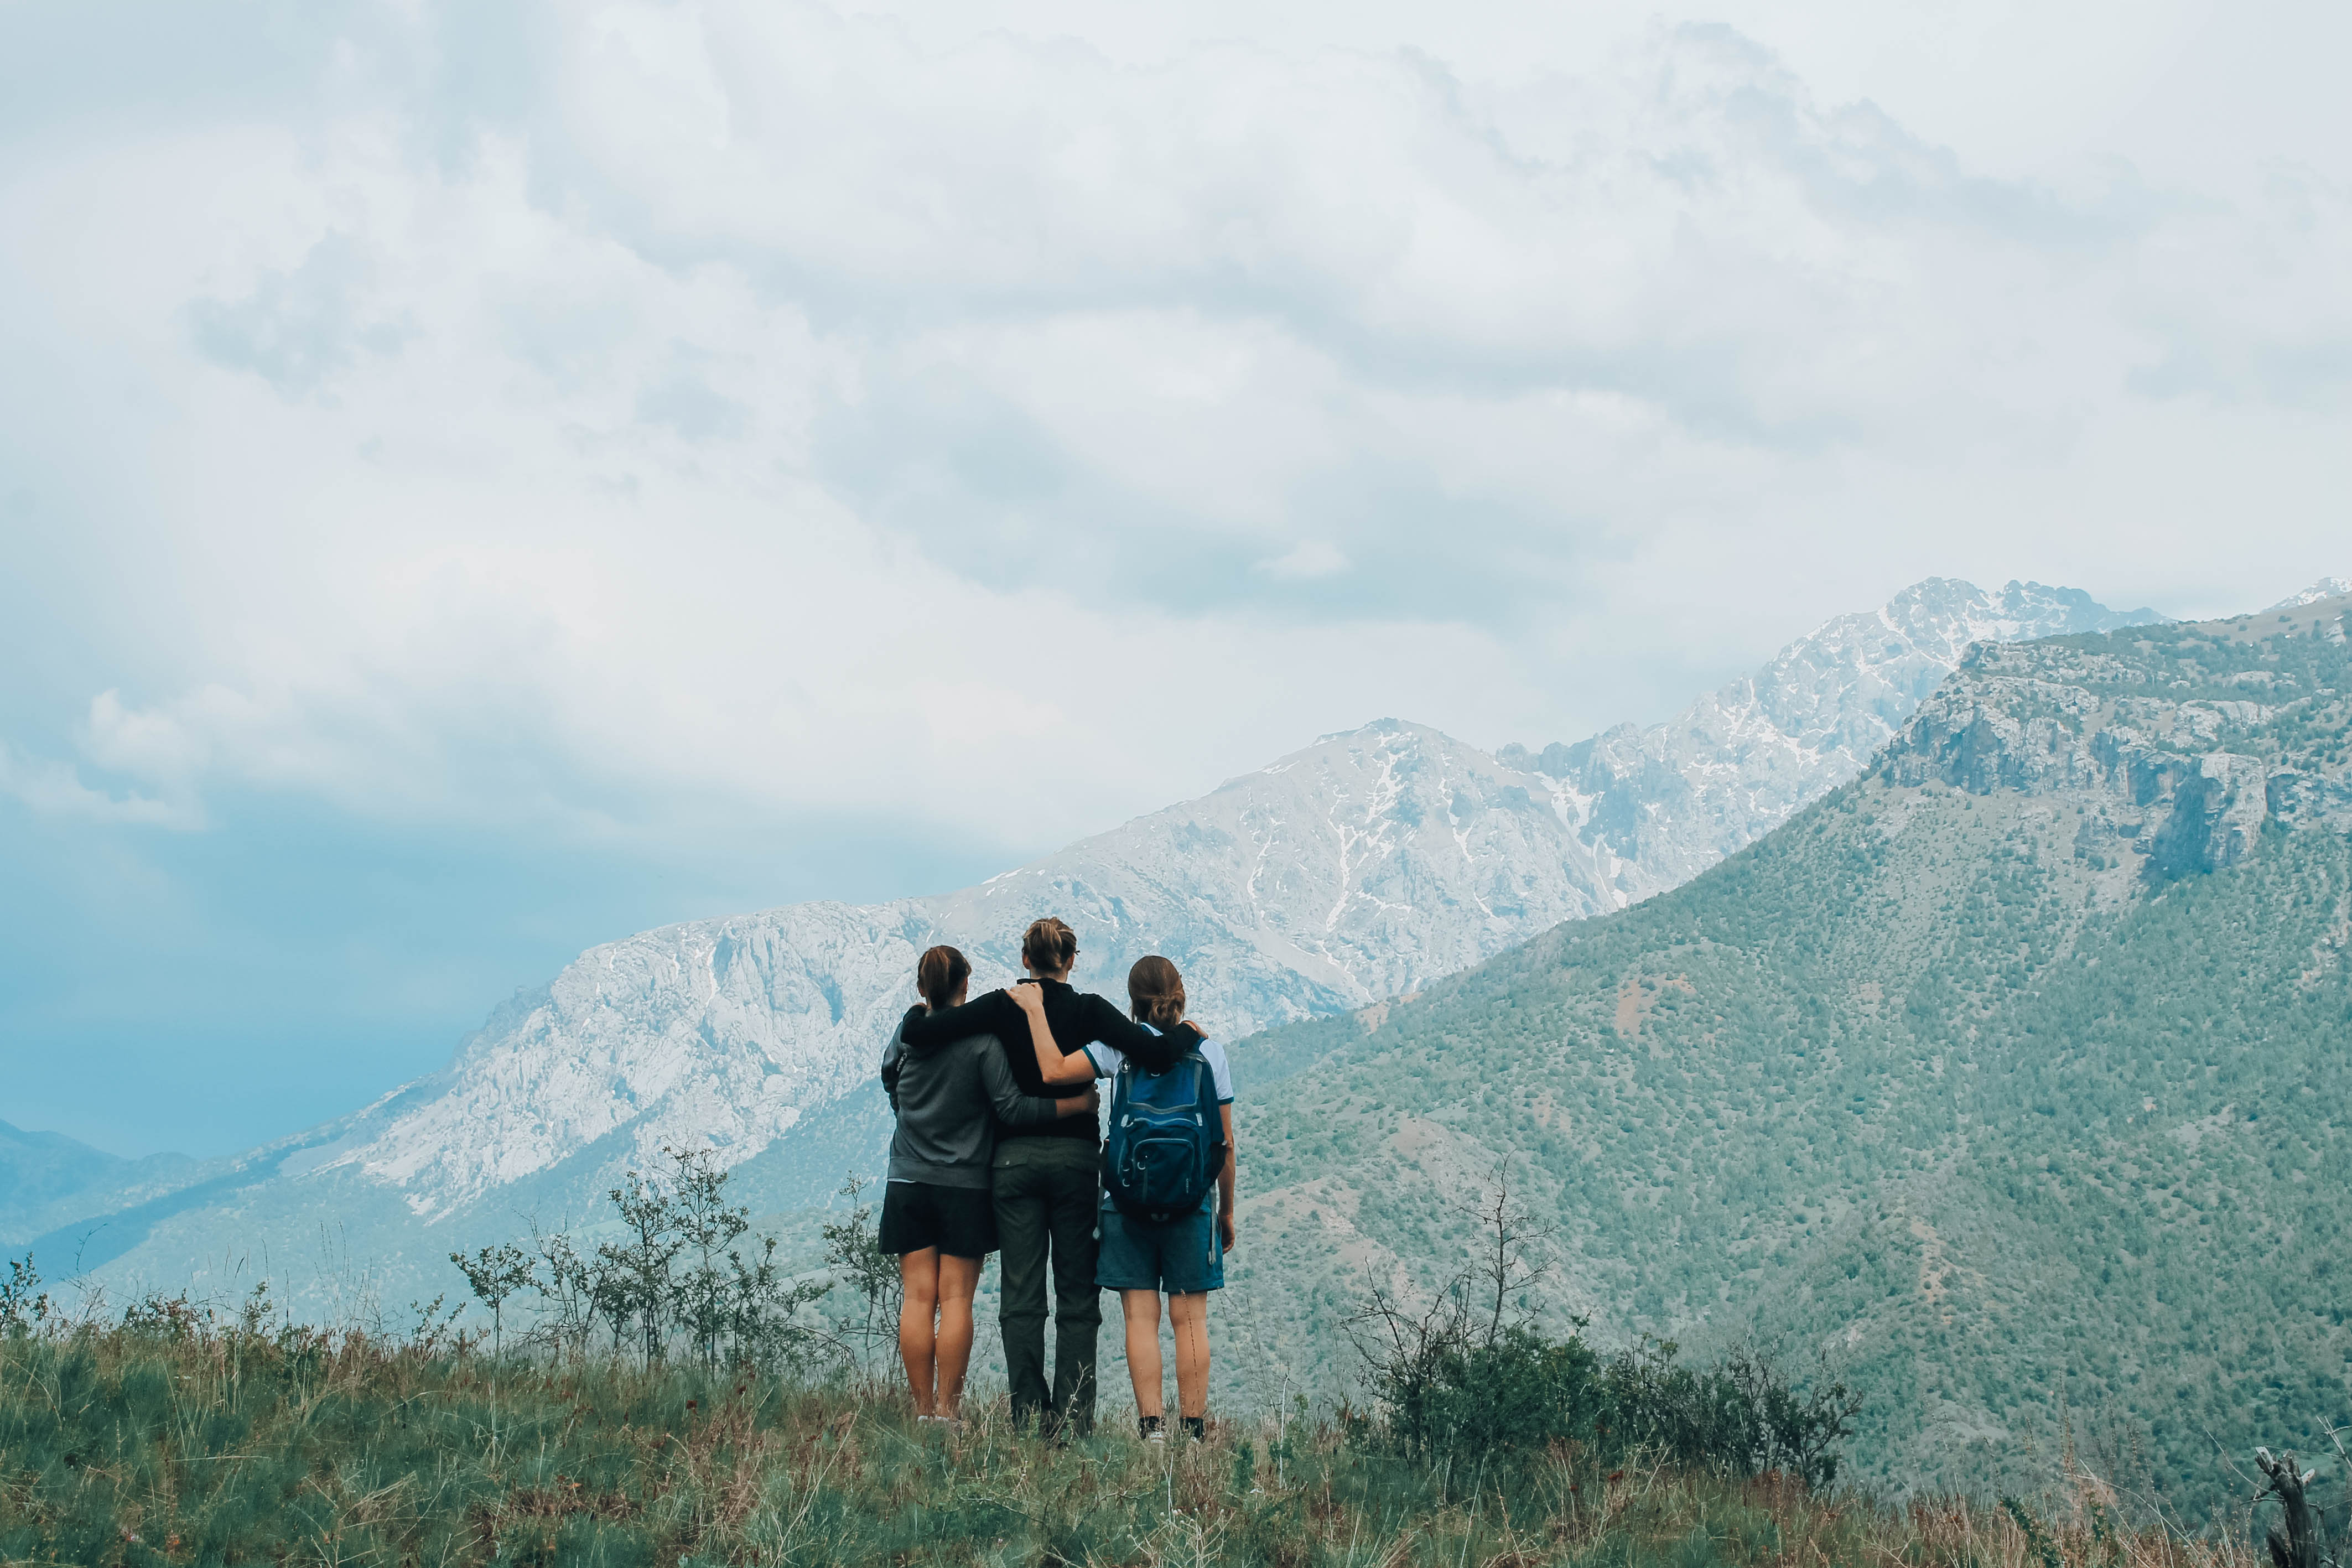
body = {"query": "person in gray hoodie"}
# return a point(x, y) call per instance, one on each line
point(938, 1216)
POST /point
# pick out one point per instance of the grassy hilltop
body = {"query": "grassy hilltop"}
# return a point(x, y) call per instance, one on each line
point(175, 1441)
point(2013, 1078)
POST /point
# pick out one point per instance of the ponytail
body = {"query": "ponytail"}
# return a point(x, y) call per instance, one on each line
point(1048, 946)
point(941, 975)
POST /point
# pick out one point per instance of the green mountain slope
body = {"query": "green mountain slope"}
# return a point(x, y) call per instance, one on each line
point(2015, 1076)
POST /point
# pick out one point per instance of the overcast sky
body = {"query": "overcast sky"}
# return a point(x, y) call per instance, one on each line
point(478, 479)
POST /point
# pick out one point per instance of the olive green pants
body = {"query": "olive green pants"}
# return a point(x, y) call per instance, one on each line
point(1046, 1191)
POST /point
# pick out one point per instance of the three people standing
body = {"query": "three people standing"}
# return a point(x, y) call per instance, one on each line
point(1047, 1193)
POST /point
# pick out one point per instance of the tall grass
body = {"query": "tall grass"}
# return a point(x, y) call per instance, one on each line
point(181, 1440)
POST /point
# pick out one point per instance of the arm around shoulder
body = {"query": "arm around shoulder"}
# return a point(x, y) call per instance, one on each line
point(1028, 1004)
point(1015, 1109)
point(986, 1015)
point(1106, 1024)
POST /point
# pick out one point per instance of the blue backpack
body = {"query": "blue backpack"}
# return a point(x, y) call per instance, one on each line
point(1167, 1140)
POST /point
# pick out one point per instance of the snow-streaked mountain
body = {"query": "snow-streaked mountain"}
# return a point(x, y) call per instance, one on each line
point(1360, 867)
point(1357, 868)
point(2326, 588)
point(1669, 801)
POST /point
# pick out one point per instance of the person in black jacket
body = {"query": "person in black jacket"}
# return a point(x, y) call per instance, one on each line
point(1045, 1180)
point(936, 1217)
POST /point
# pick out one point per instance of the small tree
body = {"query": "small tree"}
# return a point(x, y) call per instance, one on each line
point(763, 1313)
point(567, 1287)
point(1423, 1365)
point(23, 1305)
point(676, 1270)
point(493, 1274)
point(636, 1283)
point(707, 1227)
point(854, 1252)
point(1473, 1372)
point(1512, 1257)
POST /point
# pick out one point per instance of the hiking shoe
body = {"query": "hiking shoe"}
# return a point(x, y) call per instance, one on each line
point(1153, 1431)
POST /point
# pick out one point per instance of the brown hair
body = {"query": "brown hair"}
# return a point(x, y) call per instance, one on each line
point(1048, 946)
point(1155, 993)
point(941, 975)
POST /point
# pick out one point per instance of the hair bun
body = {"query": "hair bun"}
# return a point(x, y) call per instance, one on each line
point(1155, 993)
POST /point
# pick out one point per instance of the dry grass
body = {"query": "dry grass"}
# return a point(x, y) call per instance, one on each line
point(192, 1444)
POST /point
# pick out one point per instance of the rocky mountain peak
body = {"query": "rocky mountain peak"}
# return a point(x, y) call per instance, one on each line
point(2326, 588)
point(1675, 798)
point(2175, 748)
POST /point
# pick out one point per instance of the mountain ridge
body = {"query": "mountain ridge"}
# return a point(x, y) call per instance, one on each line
point(1742, 758)
point(2008, 1076)
point(43, 1174)
point(1363, 866)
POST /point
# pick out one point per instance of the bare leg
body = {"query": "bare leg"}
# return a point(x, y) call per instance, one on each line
point(918, 1273)
point(959, 1278)
point(1142, 1309)
point(1187, 1316)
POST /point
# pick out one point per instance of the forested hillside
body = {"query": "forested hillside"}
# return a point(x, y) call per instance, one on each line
point(2013, 1076)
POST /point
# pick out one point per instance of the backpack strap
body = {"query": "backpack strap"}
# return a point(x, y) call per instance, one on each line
point(1119, 1081)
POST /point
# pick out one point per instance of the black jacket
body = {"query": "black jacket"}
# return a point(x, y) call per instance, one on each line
point(1077, 1018)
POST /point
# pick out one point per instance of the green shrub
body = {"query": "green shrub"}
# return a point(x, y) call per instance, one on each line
point(1472, 1376)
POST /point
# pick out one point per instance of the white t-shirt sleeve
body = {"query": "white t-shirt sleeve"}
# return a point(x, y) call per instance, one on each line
point(1221, 1071)
point(1108, 1059)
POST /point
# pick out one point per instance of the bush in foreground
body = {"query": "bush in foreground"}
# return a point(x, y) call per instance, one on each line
point(1470, 1374)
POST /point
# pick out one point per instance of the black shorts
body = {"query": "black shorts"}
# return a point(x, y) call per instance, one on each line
point(959, 1221)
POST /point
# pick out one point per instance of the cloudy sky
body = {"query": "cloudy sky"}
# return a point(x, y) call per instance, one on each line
point(481, 479)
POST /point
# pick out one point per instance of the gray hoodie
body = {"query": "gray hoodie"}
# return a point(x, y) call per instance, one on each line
point(944, 1098)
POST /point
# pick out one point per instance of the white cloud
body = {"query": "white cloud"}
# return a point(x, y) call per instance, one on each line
point(1309, 559)
point(54, 789)
point(795, 409)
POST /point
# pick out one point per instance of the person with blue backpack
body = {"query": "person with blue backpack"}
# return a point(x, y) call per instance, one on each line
point(1167, 1159)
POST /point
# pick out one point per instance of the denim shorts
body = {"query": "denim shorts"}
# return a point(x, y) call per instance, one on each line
point(1179, 1257)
